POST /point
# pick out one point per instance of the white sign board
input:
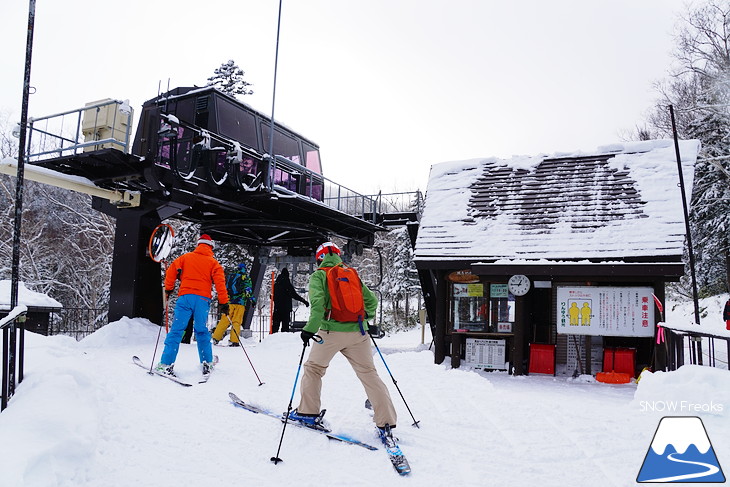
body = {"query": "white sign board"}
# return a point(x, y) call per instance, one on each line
point(486, 354)
point(606, 311)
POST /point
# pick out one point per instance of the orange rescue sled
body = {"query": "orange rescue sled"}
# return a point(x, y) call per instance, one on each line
point(613, 377)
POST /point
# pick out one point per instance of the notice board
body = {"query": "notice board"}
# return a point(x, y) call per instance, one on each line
point(605, 311)
point(486, 354)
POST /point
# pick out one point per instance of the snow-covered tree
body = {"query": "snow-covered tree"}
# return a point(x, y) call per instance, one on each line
point(699, 90)
point(65, 245)
point(229, 79)
point(8, 143)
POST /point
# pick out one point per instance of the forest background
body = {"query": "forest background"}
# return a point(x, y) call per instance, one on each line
point(66, 246)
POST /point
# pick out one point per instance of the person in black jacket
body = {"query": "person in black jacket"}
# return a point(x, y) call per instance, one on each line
point(284, 292)
point(726, 314)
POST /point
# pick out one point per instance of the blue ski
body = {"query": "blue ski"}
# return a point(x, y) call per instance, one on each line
point(394, 452)
point(333, 436)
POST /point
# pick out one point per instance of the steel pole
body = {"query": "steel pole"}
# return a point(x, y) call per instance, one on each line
point(690, 250)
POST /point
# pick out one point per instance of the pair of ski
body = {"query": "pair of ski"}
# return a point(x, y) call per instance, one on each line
point(391, 446)
point(173, 378)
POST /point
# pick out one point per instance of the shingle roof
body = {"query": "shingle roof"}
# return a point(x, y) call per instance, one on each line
point(621, 202)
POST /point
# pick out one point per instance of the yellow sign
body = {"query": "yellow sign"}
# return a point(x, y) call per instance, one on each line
point(475, 290)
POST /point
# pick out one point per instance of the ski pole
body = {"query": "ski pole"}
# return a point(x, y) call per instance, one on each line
point(415, 423)
point(233, 329)
point(276, 458)
point(154, 354)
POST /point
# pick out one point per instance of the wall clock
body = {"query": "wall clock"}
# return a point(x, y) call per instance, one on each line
point(518, 285)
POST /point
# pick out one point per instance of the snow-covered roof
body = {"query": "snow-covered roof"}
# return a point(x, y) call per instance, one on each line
point(622, 201)
point(27, 297)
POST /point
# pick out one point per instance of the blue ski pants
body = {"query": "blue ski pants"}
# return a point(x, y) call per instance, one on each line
point(189, 305)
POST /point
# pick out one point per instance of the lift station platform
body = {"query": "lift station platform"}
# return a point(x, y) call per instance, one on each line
point(202, 156)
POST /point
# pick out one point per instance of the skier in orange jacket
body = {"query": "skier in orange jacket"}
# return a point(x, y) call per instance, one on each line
point(198, 272)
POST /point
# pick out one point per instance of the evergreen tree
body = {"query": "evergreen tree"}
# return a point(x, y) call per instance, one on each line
point(229, 79)
point(699, 92)
point(710, 217)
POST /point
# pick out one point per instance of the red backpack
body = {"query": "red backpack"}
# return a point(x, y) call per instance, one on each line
point(345, 291)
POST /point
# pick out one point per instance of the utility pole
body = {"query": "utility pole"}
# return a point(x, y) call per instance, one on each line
point(10, 333)
point(690, 250)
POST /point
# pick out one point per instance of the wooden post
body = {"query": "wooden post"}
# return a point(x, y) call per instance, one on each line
point(518, 337)
point(422, 319)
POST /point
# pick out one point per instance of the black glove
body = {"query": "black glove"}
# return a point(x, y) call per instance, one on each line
point(223, 309)
point(306, 303)
point(167, 294)
point(374, 331)
point(306, 335)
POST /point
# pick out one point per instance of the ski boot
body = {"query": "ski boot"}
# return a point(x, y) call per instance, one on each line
point(313, 421)
point(165, 369)
point(386, 436)
point(207, 367)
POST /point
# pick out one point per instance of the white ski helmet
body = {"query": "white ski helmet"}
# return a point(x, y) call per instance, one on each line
point(326, 248)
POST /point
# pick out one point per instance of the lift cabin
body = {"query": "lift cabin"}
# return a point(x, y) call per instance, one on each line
point(201, 156)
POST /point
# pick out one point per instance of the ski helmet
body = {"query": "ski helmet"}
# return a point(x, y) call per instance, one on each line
point(326, 248)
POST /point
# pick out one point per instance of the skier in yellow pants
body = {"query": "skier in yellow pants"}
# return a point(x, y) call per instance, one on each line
point(240, 293)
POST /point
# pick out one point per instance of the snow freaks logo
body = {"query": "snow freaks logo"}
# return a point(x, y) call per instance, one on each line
point(681, 452)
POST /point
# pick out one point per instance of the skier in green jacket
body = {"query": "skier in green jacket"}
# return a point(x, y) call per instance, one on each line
point(349, 338)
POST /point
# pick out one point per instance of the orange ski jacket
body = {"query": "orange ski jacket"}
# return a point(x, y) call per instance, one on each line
point(198, 271)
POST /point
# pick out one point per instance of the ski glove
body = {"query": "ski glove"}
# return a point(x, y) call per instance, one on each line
point(168, 294)
point(306, 335)
point(374, 331)
point(306, 303)
point(223, 309)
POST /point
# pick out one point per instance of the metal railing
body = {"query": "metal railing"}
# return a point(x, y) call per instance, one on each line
point(411, 201)
point(107, 123)
point(76, 322)
point(678, 350)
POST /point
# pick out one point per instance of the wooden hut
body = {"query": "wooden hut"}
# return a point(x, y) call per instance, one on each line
point(552, 264)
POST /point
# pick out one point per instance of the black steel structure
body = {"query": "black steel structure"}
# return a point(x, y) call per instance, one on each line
point(202, 156)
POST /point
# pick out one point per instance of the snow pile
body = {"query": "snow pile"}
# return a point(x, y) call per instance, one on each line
point(25, 296)
point(688, 391)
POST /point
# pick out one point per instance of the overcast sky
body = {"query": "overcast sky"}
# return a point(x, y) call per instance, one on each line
point(385, 87)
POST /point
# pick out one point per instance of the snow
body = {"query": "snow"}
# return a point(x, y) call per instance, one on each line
point(450, 230)
point(84, 415)
point(25, 296)
point(10, 166)
point(14, 313)
point(683, 318)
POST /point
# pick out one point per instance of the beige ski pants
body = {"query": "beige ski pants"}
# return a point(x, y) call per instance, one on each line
point(358, 351)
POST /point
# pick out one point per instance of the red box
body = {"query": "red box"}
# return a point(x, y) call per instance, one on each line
point(542, 359)
point(608, 359)
point(620, 360)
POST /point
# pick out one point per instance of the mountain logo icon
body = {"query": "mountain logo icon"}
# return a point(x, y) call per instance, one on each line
point(680, 452)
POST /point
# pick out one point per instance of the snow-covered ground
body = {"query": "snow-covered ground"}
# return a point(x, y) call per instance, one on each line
point(84, 415)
